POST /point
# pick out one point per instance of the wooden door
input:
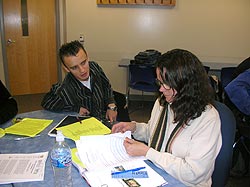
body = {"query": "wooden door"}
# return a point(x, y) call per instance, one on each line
point(31, 53)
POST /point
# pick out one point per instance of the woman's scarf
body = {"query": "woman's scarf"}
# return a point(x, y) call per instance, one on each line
point(160, 132)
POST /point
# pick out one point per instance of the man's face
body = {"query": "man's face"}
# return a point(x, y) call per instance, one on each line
point(78, 65)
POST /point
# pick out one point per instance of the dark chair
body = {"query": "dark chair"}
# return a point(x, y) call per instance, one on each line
point(207, 68)
point(141, 77)
point(122, 110)
point(224, 159)
point(226, 75)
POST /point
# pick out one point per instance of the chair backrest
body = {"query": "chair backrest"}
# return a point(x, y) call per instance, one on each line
point(122, 109)
point(207, 68)
point(224, 159)
point(226, 75)
point(142, 77)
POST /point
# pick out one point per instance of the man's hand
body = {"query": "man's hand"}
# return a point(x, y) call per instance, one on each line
point(83, 112)
point(111, 115)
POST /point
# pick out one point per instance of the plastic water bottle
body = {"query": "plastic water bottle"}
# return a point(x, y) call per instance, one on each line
point(61, 161)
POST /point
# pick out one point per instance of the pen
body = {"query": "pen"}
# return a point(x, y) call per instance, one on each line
point(78, 119)
point(129, 170)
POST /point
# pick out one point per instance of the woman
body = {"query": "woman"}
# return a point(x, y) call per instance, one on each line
point(183, 133)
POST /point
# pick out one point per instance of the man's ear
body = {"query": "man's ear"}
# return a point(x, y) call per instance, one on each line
point(65, 68)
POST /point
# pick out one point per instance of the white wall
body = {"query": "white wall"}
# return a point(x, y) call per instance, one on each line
point(215, 30)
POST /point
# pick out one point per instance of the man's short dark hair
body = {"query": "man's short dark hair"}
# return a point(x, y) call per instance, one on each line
point(70, 49)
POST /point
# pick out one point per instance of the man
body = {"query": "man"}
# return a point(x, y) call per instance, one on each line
point(85, 89)
point(237, 98)
point(8, 105)
point(238, 91)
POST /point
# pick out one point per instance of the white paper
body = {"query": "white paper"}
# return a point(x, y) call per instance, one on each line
point(102, 153)
point(22, 167)
point(103, 177)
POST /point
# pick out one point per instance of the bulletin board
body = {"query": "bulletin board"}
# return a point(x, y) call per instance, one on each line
point(137, 2)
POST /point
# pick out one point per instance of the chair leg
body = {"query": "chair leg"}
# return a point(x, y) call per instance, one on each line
point(140, 104)
point(127, 98)
point(142, 94)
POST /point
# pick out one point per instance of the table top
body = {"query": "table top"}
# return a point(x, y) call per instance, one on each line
point(44, 143)
point(214, 66)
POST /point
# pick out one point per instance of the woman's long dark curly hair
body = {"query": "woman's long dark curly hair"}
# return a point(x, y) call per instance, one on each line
point(183, 71)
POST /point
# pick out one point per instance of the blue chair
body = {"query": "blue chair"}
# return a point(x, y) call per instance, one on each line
point(141, 77)
point(223, 161)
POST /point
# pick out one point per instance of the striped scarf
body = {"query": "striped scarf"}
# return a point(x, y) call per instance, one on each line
point(160, 131)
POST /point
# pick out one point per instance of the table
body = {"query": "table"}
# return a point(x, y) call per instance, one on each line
point(44, 143)
point(214, 66)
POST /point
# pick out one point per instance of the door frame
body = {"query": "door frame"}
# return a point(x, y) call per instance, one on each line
point(60, 25)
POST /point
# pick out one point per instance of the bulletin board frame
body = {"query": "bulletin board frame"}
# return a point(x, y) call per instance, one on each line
point(137, 2)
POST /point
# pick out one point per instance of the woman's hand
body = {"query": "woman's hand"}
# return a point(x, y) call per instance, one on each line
point(135, 148)
point(123, 127)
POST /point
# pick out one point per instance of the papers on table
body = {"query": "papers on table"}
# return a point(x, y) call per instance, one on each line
point(104, 154)
point(102, 177)
point(22, 167)
point(77, 162)
point(100, 151)
point(28, 127)
point(90, 126)
point(67, 120)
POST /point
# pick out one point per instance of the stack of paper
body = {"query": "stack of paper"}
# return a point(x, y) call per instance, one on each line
point(104, 154)
point(22, 167)
point(90, 126)
point(28, 127)
point(77, 162)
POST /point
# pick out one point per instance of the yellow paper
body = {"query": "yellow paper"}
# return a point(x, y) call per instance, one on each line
point(76, 159)
point(90, 126)
point(28, 127)
point(2, 132)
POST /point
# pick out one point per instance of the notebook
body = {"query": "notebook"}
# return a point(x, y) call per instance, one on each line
point(69, 119)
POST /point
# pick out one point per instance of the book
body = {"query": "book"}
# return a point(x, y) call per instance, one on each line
point(106, 163)
point(67, 120)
